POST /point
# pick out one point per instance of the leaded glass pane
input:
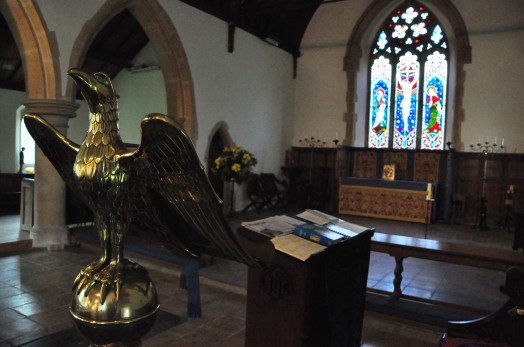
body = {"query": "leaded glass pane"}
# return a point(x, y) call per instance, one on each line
point(382, 40)
point(378, 136)
point(435, 76)
point(409, 15)
point(437, 35)
point(406, 104)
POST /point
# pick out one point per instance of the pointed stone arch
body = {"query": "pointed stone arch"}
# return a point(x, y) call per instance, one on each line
point(460, 54)
point(39, 53)
point(166, 42)
point(37, 46)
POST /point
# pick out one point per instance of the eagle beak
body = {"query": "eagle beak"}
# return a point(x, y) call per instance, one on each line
point(87, 85)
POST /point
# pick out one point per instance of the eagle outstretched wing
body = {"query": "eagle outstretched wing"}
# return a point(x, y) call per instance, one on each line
point(60, 151)
point(167, 171)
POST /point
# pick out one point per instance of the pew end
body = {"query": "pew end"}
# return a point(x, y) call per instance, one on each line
point(505, 327)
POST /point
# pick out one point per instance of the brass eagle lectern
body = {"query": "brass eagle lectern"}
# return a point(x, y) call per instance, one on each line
point(159, 188)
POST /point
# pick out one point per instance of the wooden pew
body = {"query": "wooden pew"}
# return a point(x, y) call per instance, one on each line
point(401, 247)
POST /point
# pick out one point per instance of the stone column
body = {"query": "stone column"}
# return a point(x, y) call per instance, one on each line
point(50, 229)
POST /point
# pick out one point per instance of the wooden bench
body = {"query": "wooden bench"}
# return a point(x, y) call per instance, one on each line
point(401, 247)
point(10, 191)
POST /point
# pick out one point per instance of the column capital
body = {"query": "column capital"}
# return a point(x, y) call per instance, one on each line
point(55, 111)
point(51, 107)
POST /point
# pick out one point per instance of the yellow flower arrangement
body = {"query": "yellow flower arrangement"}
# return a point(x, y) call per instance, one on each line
point(235, 164)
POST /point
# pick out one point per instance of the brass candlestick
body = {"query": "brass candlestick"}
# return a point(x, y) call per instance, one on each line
point(485, 148)
point(311, 142)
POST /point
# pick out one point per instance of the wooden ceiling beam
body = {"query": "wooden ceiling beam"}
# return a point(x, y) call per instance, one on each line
point(106, 58)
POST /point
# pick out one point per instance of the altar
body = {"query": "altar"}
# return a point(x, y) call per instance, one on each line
point(412, 201)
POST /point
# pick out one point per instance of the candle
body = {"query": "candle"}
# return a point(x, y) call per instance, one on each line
point(336, 136)
point(502, 141)
point(495, 140)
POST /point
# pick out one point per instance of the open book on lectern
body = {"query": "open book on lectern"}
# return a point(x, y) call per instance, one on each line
point(309, 233)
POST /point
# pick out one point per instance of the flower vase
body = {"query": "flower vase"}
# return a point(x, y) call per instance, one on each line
point(232, 182)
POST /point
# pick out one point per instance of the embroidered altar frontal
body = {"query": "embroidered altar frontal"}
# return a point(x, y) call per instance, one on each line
point(396, 200)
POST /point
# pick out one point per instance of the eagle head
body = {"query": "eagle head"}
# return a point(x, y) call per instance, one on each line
point(96, 88)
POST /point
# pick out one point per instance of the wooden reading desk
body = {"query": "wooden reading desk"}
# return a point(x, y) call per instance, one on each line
point(317, 302)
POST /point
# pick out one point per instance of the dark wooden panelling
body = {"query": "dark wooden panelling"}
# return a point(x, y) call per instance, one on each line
point(314, 181)
point(328, 165)
point(494, 168)
point(365, 164)
point(516, 171)
point(502, 170)
point(400, 160)
point(426, 167)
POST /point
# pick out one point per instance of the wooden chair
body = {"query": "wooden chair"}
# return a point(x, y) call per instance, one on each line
point(504, 327)
point(256, 195)
point(276, 190)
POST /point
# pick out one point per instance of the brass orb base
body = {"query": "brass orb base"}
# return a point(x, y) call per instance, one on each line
point(122, 322)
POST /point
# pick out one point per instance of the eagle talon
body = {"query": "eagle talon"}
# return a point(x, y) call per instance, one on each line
point(86, 274)
point(90, 286)
point(103, 293)
point(112, 276)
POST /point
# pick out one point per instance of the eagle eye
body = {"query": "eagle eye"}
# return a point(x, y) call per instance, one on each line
point(102, 78)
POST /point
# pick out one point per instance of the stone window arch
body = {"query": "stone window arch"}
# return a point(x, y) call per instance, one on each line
point(356, 62)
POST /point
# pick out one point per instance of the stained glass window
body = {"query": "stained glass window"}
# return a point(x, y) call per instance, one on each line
point(409, 72)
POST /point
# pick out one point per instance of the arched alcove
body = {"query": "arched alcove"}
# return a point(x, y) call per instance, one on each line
point(217, 140)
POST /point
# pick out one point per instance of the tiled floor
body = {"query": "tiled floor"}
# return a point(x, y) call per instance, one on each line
point(35, 291)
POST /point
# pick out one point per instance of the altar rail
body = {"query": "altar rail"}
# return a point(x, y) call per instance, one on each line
point(401, 247)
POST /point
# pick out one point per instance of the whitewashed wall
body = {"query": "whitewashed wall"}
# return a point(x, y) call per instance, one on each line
point(65, 18)
point(251, 89)
point(493, 79)
point(493, 85)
